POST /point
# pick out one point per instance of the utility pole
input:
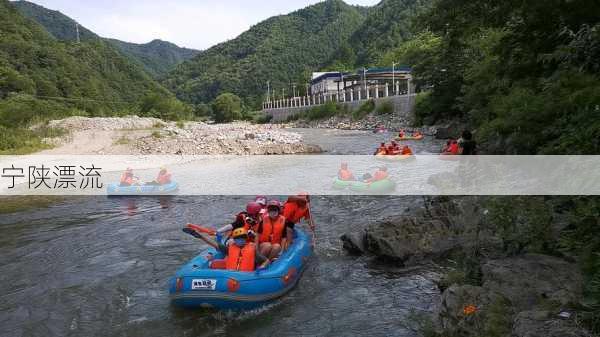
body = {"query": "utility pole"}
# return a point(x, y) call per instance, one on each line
point(77, 31)
point(268, 91)
point(394, 77)
point(365, 79)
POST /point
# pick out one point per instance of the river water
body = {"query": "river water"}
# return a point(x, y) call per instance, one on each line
point(96, 266)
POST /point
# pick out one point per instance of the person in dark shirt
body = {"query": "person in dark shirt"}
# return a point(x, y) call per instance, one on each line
point(467, 146)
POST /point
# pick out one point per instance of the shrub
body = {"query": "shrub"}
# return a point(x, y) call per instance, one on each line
point(364, 109)
point(226, 108)
point(324, 111)
point(385, 107)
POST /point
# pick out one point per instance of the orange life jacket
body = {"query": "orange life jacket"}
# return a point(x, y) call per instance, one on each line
point(294, 213)
point(272, 230)
point(241, 259)
point(380, 175)
point(407, 151)
point(382, 150)
point(126, 179)
point(344, 175)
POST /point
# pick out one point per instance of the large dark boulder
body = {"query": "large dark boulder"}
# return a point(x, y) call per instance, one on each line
point(533, 279)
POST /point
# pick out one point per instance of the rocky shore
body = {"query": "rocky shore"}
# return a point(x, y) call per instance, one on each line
point(488, 290)
point(139, 135)
point(390, 122)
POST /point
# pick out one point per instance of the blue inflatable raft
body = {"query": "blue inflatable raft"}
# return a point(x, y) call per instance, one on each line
point(116, 189)
point(195, 285)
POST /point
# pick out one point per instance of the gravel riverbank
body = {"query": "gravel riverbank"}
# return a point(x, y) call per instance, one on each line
point(141, 135)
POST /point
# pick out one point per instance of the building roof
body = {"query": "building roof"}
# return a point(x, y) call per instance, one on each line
point(385, 70)
point(322, 76)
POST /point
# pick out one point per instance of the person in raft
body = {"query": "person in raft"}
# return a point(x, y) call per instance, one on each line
point(401, 134)
point(128, 179)
point(467, 146)
point(344, 173)
point(295, 209)
point(380, 174)
point(262, 201)
point(249, 219)
point(451, 148)
point(381, 150)
point(406, 151)
point(417, 134)
point(271, 231)
point(393, 148)
point(240, 255)
point(163, 178)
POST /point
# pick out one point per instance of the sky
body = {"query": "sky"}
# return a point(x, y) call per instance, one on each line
point(197, 24)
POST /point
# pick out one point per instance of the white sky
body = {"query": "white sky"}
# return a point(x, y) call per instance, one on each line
point(197, 24)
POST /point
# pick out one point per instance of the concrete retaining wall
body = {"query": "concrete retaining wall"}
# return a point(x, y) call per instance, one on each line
point(403, 105)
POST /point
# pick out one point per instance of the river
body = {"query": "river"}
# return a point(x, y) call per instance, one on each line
point(97, 266)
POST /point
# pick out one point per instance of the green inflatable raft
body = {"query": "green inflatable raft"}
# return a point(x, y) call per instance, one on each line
point(339, 184)
point(377, 187)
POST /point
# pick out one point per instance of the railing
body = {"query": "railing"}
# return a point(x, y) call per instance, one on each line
point(341, 96)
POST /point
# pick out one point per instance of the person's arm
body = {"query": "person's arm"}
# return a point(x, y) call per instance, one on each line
point(225, 228)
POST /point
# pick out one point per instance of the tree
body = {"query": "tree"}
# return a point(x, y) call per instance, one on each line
point(227, 107)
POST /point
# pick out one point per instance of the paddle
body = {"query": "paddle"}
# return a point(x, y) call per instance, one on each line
point(201, 229)
point(201, 236)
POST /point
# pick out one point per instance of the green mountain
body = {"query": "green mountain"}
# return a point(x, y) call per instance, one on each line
point(91, 76)
point(283, 49)
point(156, 57)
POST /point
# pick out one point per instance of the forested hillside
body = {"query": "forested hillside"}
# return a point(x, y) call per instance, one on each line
point(524, 74)
point(282, 49)
point(156, 57)
point(386, 26)
point(41, 77)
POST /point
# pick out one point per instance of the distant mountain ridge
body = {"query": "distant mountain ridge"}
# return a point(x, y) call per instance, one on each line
point(91, 76)
point(284, 49)
point(156, 57)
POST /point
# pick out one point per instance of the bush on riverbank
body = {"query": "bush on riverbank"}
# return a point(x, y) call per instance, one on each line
point(364, 109)
point(386, 107)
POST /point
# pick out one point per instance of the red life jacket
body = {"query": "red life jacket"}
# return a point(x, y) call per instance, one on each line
point(241, 259)
point(164, 179)
point(126, 179)
point(272, 230)
point(294, 213)
point(344, 175)
point(453, 149)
